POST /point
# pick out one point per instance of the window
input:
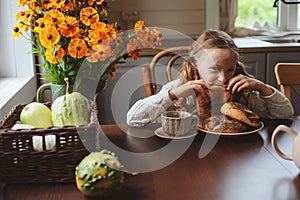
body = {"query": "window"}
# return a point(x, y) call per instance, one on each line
point(17, 77)
point(256, 11)
point(281, 13)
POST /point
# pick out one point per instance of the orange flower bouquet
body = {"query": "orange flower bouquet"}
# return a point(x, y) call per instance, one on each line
point(70, 34)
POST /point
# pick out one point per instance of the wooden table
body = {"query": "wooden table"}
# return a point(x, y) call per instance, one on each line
point(237, 167)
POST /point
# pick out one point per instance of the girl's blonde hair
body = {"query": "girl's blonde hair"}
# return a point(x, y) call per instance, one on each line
point(209, 39)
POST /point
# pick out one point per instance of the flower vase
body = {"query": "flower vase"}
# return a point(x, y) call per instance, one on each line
point(56, 91)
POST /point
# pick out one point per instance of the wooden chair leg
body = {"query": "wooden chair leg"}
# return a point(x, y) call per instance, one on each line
point(147, 81)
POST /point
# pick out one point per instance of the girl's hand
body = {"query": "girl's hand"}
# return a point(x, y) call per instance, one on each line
point(240, 82)
point(188, 88)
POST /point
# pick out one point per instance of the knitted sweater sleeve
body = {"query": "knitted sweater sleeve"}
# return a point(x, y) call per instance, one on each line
point(146, 110)
point(275, 106)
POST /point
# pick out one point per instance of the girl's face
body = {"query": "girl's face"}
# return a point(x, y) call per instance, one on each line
point(216, 66)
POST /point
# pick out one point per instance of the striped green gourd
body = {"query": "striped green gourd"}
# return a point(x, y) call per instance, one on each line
point(71, 109)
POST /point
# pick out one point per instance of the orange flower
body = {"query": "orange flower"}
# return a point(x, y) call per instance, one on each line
point(81, 34)
point(70, 27)
point(24, 27)
point(69, 31)
point(141, 29)
point(112, 28)
point(145, 35)
point(98, 26)
point(77, 48)
point(113, 75)
point(34, 5)
point(148, 40)
point(26, 16)
point(93, 57)
point(89, 16)
point(91, 2)
point(17, 32)
point(39, 24)
point(57, 4)
point(101, 52)
point(97, 37)
point(22, 2)
point(54, 18)
point(112, 72)
point(139, 25)
point(55, 55)
point(133, 49)
point(98, 33)
point(68, 6)
point(19, 29)
point(99, 2)
point(47, 4)
point(104, 13)
point(157, 35)
point(53, 4)
point(49, 37)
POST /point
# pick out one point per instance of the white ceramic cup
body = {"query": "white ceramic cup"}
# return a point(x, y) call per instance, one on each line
point(175, 123)
point(296, 144)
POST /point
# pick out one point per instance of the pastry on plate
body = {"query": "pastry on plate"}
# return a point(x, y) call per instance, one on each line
point(223, 124)
point(241, 113)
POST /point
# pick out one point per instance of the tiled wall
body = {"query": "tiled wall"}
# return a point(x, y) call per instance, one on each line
point(185, 16)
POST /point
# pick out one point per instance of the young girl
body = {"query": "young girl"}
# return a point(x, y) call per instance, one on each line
point(214, 60)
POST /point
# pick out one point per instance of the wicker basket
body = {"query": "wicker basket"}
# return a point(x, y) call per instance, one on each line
point(21, 161)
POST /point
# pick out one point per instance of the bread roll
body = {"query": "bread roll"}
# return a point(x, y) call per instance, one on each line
point(210, 99)
point(203, 103)
point(241, 113)
point(223, 124)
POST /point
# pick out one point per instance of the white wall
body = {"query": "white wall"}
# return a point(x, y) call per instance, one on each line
point(187, 16)
point(212, 17)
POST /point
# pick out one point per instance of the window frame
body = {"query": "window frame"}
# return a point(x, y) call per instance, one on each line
point(286, 16)
point(17, 72)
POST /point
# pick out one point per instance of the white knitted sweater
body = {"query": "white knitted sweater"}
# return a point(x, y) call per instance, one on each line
point(144, 111)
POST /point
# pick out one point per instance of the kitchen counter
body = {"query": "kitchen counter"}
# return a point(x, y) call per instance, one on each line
point(245, 44)
point(250, 44)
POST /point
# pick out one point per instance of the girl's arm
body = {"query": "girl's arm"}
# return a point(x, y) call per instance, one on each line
point(274, 106)
point(263, 99)
point(146, 110)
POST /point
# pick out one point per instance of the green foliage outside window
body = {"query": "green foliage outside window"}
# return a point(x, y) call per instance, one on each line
point(250, 11)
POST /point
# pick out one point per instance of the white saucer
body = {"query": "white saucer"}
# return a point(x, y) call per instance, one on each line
point(160, 133)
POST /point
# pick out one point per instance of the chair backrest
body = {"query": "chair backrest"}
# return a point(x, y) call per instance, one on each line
point(288, 77)
point(148, 72)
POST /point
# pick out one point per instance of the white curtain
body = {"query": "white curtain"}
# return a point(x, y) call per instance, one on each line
point(228, 14)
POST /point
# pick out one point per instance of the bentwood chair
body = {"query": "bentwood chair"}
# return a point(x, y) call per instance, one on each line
point(288, 78)
point(171, 54)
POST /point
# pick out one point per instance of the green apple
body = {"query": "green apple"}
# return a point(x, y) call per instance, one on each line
point(37, 115)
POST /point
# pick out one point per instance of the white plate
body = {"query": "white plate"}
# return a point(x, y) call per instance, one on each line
point(160, 133)
point(241, 133)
